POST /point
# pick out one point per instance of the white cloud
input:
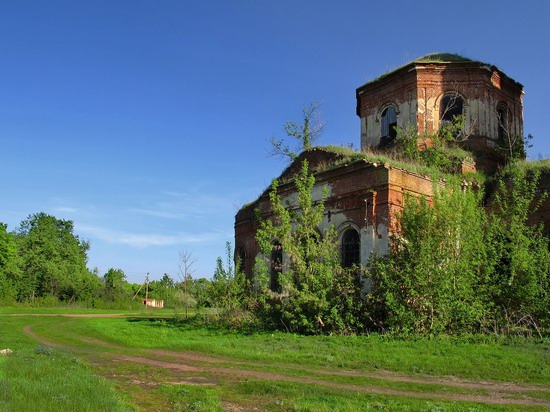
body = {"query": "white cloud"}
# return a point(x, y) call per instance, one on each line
point(186, 206)
point(141, 240)
point(63, 209)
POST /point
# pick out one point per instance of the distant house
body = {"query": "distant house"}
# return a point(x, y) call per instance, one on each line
point(153, 303)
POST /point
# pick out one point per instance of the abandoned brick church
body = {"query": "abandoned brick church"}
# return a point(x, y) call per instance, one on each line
point(364, 195)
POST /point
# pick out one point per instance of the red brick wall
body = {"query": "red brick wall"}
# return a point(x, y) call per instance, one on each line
point(366, 194)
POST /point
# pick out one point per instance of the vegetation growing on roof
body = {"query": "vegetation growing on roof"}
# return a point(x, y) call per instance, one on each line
point(305, 133)
point(543, 166)
point(434, 154)
point(429, 58)
point(443, 58)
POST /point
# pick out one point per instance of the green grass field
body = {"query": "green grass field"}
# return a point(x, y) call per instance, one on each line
point(146, 363)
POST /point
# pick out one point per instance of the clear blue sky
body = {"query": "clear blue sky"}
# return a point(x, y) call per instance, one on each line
point(147, 122)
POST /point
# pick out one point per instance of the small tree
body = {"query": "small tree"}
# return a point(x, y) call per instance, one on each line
point(186, 262)
point(311, 293)
point(305, 133)
point(115, 285)
point(227, 286)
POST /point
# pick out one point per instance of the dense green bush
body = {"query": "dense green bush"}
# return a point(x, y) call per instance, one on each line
point(459, 267)
point(431, 280)
point(312, 292)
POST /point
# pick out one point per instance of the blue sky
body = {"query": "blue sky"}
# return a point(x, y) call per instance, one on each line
point(147, 122)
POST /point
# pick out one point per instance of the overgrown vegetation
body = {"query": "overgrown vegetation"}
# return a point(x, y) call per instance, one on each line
point(429, 283)
point(299, 283)
point(465, 260)
point(308, 291)
point(459, 267)
point(43, 259)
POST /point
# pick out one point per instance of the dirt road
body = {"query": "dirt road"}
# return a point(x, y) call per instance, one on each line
point(197, 368)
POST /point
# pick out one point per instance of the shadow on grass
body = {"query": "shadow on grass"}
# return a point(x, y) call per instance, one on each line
point(210, 323)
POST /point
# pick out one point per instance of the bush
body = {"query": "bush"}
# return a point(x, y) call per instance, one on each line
point(458, 267)
point(308, 291)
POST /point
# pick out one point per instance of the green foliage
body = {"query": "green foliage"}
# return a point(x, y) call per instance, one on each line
point(458, 268)
point(514, 147)
point(9, 266)
point(436, 150)
point(520, 286)
point(305, 133)
point(164, 289)
point(430, 282)
point(313, 293)
point(115, 285)
point(52, 259)
point(200, 290)
point(227, 289)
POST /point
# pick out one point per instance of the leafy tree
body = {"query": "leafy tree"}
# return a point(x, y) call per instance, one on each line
point(164, 289)
point(314, 293)
point(9, 270)
point(227, 286)
point(53, 258)
point(520, 286)
point(305, 133)
point(200, 290)
point(167, 282)
point(458, 267)
point(115, 285)
point(433, 280)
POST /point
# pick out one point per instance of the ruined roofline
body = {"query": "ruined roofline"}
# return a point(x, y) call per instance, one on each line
point(340, 158)
point(443, 59)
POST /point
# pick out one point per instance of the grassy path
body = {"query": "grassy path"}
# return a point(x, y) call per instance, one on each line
point(162, 379)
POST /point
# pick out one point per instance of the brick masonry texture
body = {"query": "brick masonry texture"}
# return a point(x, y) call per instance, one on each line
point(367, 196)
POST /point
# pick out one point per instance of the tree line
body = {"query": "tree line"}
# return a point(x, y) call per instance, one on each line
point(43, 262)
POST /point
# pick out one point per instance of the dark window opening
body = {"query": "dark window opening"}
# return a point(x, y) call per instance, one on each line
point(351, 248)
point(389, 126)
point(502, 114)
point(276, 266)
point(451, 106)
point(241, 260)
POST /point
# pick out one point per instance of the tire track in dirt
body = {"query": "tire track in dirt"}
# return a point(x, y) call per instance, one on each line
point(192, 362)
point(243, 373)
point(380, 374)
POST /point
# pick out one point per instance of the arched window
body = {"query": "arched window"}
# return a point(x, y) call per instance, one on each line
point(452, 105)
point(388, 126)
point(240, 264)
point(276, 266)
point(351, 248)
point(503, 125)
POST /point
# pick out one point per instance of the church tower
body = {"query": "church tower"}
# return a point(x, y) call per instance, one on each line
point(430, 91)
